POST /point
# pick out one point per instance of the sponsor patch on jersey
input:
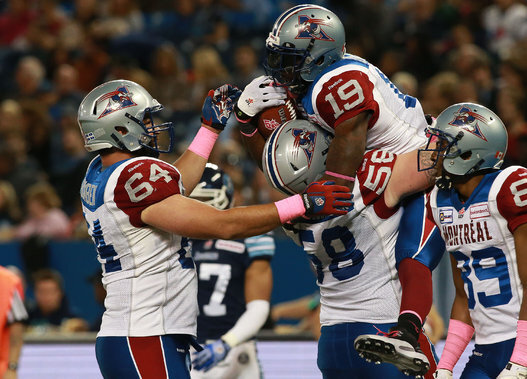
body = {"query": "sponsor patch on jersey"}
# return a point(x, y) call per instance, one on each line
point(446, 216)
point(233, 246)
point(479, 211)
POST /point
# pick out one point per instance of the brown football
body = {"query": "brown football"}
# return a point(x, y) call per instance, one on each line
point(271, 118)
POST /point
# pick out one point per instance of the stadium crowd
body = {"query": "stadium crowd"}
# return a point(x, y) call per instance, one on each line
point(53, 52)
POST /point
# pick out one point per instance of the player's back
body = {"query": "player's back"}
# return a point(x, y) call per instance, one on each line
point(353, 85)
point(478, 235)
point(221, 266)
point(148, 274)
point(354, 254)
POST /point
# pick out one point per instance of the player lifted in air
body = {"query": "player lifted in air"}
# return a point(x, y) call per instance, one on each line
point(234, 288)
point(481, 214)
point(140, 221)
point(359, 106)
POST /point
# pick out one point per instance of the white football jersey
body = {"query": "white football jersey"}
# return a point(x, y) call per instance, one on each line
point(478, 234)
point(148, 274)
point(353, 85)
point(353, 254)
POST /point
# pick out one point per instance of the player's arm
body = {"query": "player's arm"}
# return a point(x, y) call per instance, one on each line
point(194, 219)
point(258, 286)
point(460, 328)
point(216, 111)
point(16, 341)
point(347, 149)
point(400, 186)
point(518, 362)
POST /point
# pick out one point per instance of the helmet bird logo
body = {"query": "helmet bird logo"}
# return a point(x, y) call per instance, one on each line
point(468, 120)
point(312, 28)
point(305, 140)
point(119, 99)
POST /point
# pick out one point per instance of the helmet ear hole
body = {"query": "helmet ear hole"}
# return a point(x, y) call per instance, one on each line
point(466, 155)
point(320, 60)
point(122, 130)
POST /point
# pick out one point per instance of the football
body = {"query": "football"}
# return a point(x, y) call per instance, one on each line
point(271, 118)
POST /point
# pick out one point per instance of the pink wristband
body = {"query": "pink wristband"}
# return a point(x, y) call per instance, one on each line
point(249, 135)
point(290, 208)
point(203, 142)
point(340, 176)
point(457, 339)
point(519, 354)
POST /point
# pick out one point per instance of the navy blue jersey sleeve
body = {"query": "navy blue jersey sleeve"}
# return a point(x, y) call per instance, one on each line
point(419, 237)
point(260, 247)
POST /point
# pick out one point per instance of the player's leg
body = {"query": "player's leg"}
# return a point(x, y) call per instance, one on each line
point(487, 361)
point(418, 251)
point(337, 358)
point(143, 357)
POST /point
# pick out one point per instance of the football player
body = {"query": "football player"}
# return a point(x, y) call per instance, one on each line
point(357, 103)
point(481, 213)
point(137, 214)
point(234, 288)
point(353, 255)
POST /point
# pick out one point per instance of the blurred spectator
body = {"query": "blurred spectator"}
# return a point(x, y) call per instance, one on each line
point(30, 80)
point(51, 310)
point(37, 128)
point(305, 309)
point(10, 213)
point(14, 22)
point(42, 35)
point(505, 23)
point(66, 95)
point(12, 315)
point(44, 216)
point(170, 85)
point(246, 66)
point(439, 92)
point(208, 72)
point(511, 107)
point(99, 293)
point(406, 83)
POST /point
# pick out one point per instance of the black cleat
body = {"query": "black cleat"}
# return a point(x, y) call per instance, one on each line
point(397, 347)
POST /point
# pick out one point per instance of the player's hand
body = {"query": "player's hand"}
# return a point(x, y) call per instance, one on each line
point(443, 374)
point(211, 354)
point(257, 96)
point(513, 371)
point(327, 198)
point(218, 106)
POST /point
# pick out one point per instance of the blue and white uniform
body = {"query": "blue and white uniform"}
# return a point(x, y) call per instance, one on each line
point(221, 266)
point(354, 257)
point(479, 235)
point(148, 274)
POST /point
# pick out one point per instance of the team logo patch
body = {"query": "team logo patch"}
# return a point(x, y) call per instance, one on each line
point(305, 140)
point(468, 120)
point(446, 216)
point(312, 28)
point(119, 99)
point(271, 124)
point(479, 211)
point(319, 201)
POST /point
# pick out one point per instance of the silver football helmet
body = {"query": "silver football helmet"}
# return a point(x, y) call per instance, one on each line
point(295, 155)
point(304, 41)
point(215, 188)
point(119, 113)
point(471, 138)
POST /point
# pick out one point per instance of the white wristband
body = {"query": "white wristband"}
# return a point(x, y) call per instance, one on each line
point(249, 323)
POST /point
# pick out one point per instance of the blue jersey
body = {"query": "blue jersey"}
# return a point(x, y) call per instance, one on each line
point(221, 267)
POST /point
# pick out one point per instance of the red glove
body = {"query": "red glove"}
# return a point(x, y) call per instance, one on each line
point(327, 198)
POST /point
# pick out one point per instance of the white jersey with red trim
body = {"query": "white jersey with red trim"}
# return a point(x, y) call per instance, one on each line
point(354, 254)
point(353, 85)
point(148, 274)
point(479, 235)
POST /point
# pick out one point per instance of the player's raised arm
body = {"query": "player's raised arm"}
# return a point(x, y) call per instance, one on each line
point(216, 111)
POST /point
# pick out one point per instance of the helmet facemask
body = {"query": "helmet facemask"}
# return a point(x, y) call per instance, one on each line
point(286, 65)
point(156, 137)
